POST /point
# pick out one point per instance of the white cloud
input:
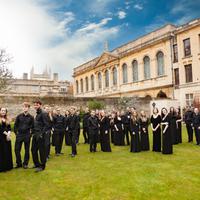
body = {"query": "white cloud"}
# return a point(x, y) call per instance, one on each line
point(35, 37)
point(138, 7)
point(121, 14)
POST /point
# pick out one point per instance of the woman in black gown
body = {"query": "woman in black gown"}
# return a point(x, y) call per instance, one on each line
point(119, 134)
point(167, 144)
point(155, 126)
point(178, 126)
point(144, 134)
point(67, 136)
point(104, 132)
point(173, 125)
point(6, 162)
point(135, 135)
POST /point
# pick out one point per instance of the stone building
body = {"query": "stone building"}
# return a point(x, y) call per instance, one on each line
point(39, 85)
point(158, 63)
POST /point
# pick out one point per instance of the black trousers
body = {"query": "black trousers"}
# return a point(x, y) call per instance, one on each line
point(58, 146)
point(48, 143)
point(197, 134)
point(93, 142)
point(190, 132)
point(73, 137)
point(126, 134)
point(78, 135)
point(85, 134)
point(38, 149)
point(20, 139)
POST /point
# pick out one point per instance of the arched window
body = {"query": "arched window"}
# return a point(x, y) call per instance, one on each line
point(86, 84)
point(99, 80)
point(146, 67)
point(135, 70)
point(81, 85)
point(107, 78)
point(124, 71)
point(77, 87)
point(92, 82)
point(160, 63)
point(114, 76)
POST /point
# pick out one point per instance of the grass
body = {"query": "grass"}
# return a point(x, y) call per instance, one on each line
point(119, 175)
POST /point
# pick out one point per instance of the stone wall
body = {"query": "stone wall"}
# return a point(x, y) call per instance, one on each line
point(14, 104)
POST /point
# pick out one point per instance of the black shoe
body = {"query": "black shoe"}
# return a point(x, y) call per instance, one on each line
point(25, 166)
point(57, 154)
point(39, 169)
point(73, 155)
point(18, 166)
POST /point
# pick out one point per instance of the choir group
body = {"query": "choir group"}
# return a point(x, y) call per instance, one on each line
point(50, 128)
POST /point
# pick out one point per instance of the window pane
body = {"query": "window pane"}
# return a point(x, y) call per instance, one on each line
point(146, 67)
point(115, 76)
point(175, 49)
point(187, 49)
point(99, 81)
point(107, 78)
point(176, 76)
point(160, 63)
point(92, 82)
point(188, 73)
point(135, 70)
point(125, 75)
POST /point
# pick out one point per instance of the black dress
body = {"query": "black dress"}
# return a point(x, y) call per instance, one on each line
point(173, 127)
point(6, 162)
point(179, 129)
point(119, 134)
point(144, 135)
point(157, 133)
point(105, 134)
point(167, 144)
point(135, 136)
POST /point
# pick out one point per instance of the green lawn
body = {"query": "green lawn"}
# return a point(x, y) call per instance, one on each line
point(119, 175)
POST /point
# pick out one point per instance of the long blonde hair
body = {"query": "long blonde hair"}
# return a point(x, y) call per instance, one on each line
point(7, 120)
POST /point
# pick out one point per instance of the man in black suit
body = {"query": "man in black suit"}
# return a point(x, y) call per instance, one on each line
point(59, 126)
point(38, 141)
point(73, 127)
point(93, 126)
point(188, 122)
point(196, 125)
point(23, 127)
point(85, 125)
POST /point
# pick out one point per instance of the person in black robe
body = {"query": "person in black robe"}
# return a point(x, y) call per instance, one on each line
point(97, 115)
point(67, 136)
point(179, 125)
point(93, 126)
point(79, 127)
point(156, 128)
point(173, 125)
point(41, 126)
point(188, 118)
point(104, 133)
point(144, 134)
point(167, 141)
point(6, 161)
point(119, 133)
point(135, 135)
point(126, 126)
point(73, 127)
point(85, 125)
point(112, 126)
point(23, 127)
point(49, 117)
point(196, 125)
point(59, 127)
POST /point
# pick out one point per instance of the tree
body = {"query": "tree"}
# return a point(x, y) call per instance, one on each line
point(5, 73)
point(95, 105)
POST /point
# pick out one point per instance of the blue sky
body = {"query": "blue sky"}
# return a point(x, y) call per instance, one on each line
point(65, 33)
